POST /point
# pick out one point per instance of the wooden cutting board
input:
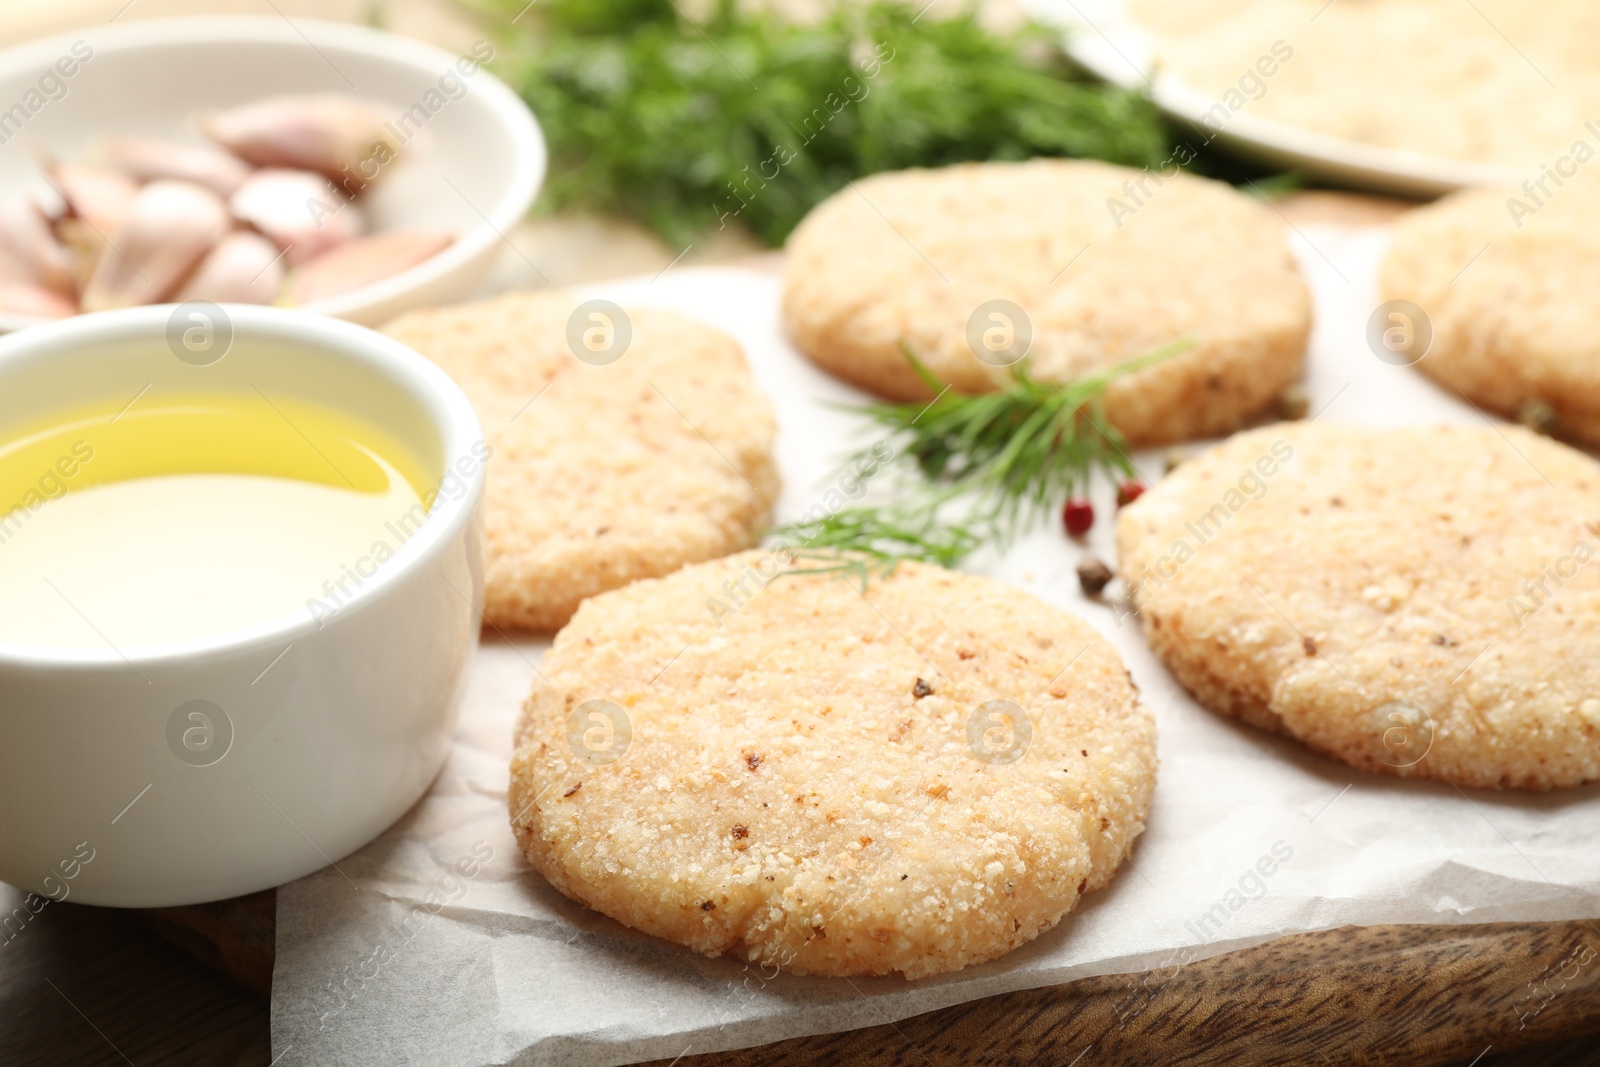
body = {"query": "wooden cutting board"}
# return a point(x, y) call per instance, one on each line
point(1397, 995)
point(1401, 995)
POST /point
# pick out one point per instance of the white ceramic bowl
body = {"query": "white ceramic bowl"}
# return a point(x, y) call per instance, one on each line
point(473, 169)
point(333, 731)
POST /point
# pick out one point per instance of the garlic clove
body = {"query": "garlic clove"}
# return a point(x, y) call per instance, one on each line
point(299, 210)
point(36, 302)
point(29, 251)
point(346, 139)
point(151, 159)
point(98, 195)
point(244, 268)
point(361, 263)
point(169, 227)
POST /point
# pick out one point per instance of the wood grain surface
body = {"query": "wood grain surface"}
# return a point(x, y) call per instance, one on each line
point(1402, 995)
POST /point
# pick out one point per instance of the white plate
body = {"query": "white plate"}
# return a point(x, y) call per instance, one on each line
point(473, 169)
point(1102, 36)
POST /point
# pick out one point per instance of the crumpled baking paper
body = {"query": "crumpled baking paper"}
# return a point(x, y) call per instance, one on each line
point(437, 944)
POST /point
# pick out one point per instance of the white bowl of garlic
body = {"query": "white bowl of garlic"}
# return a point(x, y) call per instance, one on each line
point(316, 165)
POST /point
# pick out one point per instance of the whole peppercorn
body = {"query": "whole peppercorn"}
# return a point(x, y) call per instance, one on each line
point(1078, 516)
point(1293, 402)
point(1538, 416)
point(1093, 576)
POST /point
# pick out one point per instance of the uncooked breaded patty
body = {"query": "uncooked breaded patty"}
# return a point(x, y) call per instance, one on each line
point(601, 475)
point(1509, 289)
point(1103, 271)
point(817, 779)
point(1418, 601)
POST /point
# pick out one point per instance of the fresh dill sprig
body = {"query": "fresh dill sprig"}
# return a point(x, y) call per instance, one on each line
point(860, 542)
point(691, 117)
point(983, 466)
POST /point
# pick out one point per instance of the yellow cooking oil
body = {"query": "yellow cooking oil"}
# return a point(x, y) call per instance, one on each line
point(188, 515)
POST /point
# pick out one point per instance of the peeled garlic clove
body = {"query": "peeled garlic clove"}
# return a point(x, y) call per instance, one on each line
point(36, 302)
point(98, 195)
point(362, 262)
point(29, 252)
point(244, 268)
point(344, 138)
point(90, 201)
point(170, 226)
point(150, 159)
point(299, 210)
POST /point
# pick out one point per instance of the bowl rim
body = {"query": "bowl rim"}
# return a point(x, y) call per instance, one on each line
point(448, 409)
point(520, 128)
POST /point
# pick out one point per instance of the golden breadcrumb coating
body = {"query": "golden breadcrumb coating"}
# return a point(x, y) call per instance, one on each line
point(601, 474)
point(1420, 601)
point(1509, 289)
point(817, 780)
point(1107, 264)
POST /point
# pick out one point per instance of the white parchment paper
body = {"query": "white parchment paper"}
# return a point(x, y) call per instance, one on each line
point(437, 944)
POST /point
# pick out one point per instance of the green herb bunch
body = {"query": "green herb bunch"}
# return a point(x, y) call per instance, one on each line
point(981, 468)
point(746, 116)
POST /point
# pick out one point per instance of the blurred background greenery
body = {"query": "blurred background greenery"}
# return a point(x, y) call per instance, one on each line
point(750, 115)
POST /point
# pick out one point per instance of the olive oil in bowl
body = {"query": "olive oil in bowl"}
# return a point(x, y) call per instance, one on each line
point(190, 515)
